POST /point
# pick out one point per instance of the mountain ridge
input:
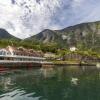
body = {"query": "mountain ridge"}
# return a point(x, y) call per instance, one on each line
point(87, 34)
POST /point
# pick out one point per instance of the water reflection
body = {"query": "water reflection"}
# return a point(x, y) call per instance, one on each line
point(54, 83)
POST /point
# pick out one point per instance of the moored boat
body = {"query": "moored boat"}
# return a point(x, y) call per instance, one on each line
point(12, 57)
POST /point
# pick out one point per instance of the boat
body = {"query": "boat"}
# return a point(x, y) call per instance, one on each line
point(12, 57)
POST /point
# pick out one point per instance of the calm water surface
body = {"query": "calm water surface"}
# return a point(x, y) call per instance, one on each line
point(55, 83)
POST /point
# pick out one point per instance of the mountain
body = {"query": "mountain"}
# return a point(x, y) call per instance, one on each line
point(81, 35)
point(5, 35)
point(47, 36)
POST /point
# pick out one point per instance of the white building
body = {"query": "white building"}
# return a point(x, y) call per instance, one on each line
point(73, 49)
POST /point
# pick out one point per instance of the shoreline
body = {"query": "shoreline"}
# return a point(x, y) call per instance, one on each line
point(68, 64)
point(20, 65)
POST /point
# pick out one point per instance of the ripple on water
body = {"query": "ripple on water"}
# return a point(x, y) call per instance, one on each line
point(18, 94)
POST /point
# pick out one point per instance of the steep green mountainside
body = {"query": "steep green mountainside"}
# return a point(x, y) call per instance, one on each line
point(86, 35)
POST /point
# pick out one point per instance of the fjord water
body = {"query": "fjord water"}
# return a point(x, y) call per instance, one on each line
point(53, 83)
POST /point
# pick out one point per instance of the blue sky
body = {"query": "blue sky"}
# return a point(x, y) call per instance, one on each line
point(24, 18)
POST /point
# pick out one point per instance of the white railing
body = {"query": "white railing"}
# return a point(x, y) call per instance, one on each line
point(27, 57)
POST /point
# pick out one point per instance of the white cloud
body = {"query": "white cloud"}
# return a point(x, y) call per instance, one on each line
point(26, 17)
point(23, 18)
